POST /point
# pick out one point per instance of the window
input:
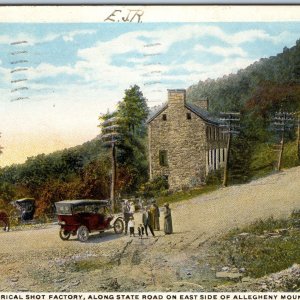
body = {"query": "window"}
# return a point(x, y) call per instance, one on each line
point(188, 116)
point(163, 159)
point(164, 117)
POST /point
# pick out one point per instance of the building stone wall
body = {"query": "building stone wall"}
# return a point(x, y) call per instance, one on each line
point(192, 145)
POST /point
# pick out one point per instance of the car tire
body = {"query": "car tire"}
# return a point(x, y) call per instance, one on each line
point(82, 233)
point(64, 235)
point(118, 226)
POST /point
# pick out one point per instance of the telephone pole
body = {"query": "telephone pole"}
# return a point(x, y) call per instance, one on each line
point(230, 123)
point(282, 122)
point(110, 135)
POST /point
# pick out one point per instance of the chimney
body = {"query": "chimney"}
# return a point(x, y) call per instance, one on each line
point(203, 104)
point(176, 97)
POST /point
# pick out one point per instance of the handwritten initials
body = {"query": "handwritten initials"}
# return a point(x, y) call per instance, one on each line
point(132, 15)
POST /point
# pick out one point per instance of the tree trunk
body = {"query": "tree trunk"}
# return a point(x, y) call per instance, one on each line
point(225, 179)
point(113, 177)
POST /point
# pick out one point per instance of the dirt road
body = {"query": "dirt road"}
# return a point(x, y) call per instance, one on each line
point(37, 260)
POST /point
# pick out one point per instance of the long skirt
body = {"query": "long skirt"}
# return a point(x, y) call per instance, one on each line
point(168, 228)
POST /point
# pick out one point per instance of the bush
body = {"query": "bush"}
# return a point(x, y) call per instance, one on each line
point(214, 177)
point(154, 188)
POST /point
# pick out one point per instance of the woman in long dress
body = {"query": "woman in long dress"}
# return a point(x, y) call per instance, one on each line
point(168, 228)
point(155, 214)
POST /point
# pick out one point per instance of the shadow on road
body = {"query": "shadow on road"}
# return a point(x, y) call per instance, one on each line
point(96, 238)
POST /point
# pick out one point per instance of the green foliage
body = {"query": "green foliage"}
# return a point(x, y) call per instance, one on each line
point(131, 143)
point(259, 252)
point(154, 187)
point(263, 160)
point(261, 226)
point(232, 92)
point(214, 177)
point(265, 157)
point(133, 111)
point(290, 158)
point(257, 91)
point(240, 159)
point(185, 195)
point(7, 191)
point(84, 171)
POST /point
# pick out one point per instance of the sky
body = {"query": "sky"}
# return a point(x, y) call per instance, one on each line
point(57, 78)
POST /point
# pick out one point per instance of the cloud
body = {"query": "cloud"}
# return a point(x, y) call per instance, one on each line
point(99, 71)
point(67, 36)
point(222, 51)
point(45, 70)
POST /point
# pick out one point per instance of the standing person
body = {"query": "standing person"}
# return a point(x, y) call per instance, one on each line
point(132, 208)
point(156, 215)
point(168, 228)
point(126, 214)
point(131, 226)
point(152, 212)
point(146, 221)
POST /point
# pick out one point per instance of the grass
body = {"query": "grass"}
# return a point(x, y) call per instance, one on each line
point(186, 195)
point(90, 265)
point(260, 253)
point(265, 158)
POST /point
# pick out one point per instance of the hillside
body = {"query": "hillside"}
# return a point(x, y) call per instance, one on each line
point(257, 92)
point(84, 171)
point(231, 92)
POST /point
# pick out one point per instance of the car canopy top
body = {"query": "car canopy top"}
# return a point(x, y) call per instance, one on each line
point(66, 207)
point(25, 203)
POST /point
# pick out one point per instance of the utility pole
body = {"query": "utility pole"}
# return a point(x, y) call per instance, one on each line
point(230, 122)
point(282, 122)
point(110, 135)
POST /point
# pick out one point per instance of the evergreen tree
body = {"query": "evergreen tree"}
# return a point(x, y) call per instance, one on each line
point(133, 111)
point(130, 117)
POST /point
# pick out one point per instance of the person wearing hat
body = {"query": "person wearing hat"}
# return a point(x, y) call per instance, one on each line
point(155, 214)
point(126, 214)
point(168, 228)
point(146, 221)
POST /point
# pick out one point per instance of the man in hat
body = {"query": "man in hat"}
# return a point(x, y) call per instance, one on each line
point(155, 214)
point(126, 214)
point(146, 221)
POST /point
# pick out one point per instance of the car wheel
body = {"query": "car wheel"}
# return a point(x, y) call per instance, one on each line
point(82, 234)
point(64, 234)
point(118, 226)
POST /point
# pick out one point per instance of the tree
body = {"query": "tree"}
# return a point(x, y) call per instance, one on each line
point(131, 158)
point(133, 111)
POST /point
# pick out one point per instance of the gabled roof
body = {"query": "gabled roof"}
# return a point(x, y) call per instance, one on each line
point(156, 111)
point(200, 112)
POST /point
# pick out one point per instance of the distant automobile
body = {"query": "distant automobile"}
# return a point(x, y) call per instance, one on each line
point(81, 217)
point(27, 208)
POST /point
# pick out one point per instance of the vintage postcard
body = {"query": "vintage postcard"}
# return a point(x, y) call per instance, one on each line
point(150, 149)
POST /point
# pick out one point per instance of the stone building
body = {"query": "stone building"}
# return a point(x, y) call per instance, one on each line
point(185, 141)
